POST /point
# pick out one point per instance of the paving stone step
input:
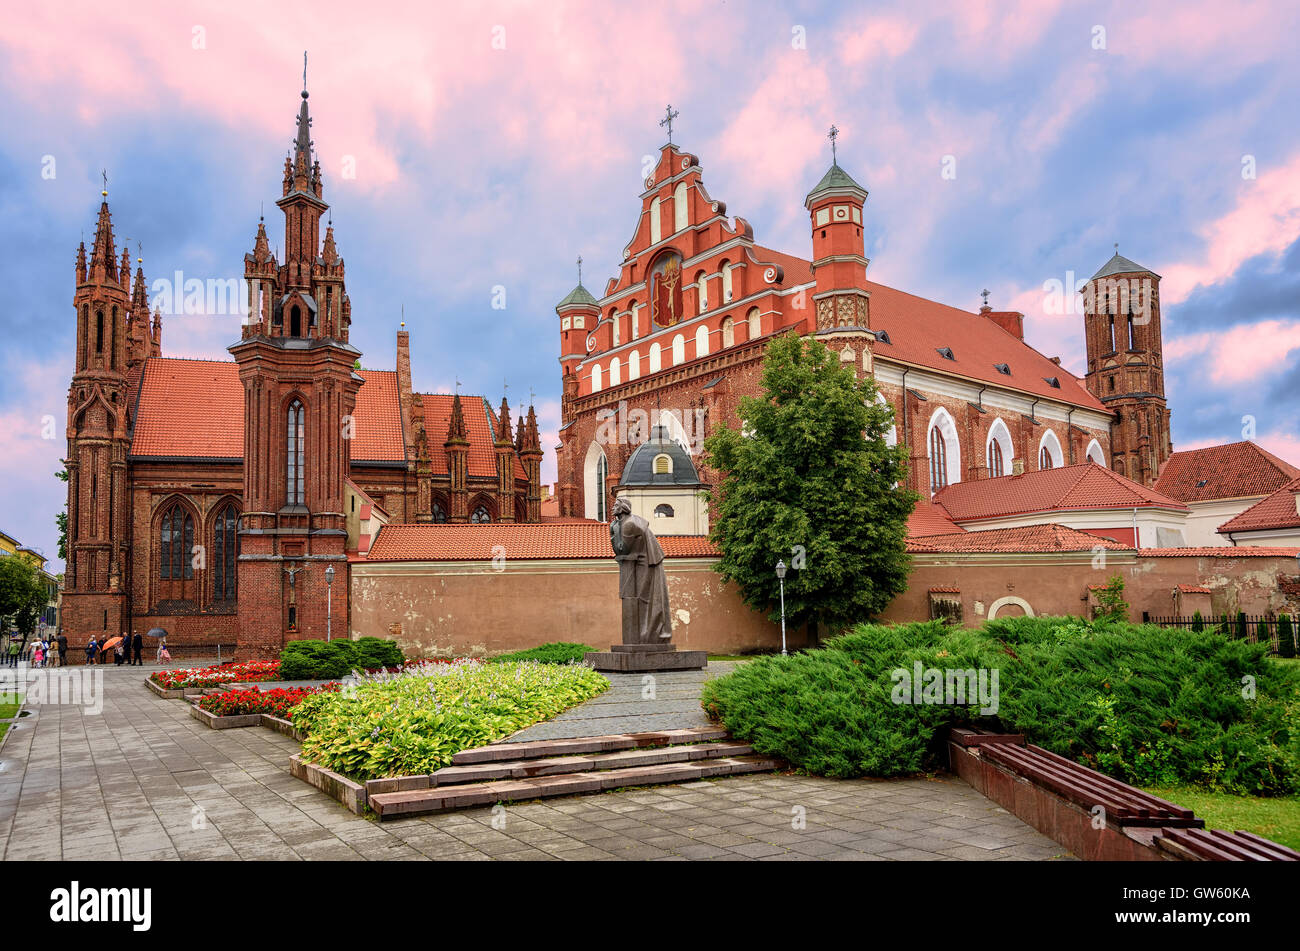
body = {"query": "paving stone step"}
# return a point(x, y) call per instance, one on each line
point(576, 746)
point(393, 805)
point(589, 762)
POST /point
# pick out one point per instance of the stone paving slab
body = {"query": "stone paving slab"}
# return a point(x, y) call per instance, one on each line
point(143, 781)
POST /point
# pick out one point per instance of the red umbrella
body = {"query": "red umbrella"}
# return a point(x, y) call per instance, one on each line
point(111, 643)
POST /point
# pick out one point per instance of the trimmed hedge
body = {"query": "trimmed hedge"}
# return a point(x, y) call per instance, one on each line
point(1146, 704)
point(329, 660)
point(556, 652)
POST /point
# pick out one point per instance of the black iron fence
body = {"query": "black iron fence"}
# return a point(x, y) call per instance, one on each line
point(1253, 628)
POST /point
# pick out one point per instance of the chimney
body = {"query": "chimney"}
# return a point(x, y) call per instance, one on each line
point(1017, 466)
point(1013, 322)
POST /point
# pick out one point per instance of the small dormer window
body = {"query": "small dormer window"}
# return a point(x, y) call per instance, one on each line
point(1002, 368)
point(945, 352)
point(663, 464)
point(1202, 483)
point(1052, 381)
point(882, 336)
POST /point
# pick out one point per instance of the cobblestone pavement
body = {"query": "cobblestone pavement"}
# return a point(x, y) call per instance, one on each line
point(144, 780)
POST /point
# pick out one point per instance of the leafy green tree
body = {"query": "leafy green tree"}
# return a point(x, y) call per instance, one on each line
point(1111, 605)
point(61, 519)
point(812, 482)
point(22, 593)
point(1198, 622)
point(1243, 631)
point(1285, 636)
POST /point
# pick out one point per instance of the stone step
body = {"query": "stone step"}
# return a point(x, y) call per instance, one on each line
point(576, 746)
point(392, 805)
point(586, 763)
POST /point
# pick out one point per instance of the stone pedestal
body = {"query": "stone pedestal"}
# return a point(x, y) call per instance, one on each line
point(646, 658)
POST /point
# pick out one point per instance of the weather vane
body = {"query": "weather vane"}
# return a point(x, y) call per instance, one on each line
point(579, 268)
point(985, 294)
point(458, 386)
point(832, 135)
point(669, 115)
point(304, 70)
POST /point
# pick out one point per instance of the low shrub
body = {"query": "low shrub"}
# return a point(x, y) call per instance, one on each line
point(329, 660)
point(1286, 646)
point(414, 721)
point(556, 652)
point(250, 672)
point(1148, 705)
point(278, 703)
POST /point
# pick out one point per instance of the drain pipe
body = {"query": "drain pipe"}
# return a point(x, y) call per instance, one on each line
point(1137, 539)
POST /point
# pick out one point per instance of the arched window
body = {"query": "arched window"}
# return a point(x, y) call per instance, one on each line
point(176, 545)
point(99, 331)
point(656, 359)
point(891, 434)
point(679, 349)
point(225, 549)
point(702, 292)
point(702, 342)
point(945, 451)
point(663, 464)
point(679, 208)
point(633, 365)
point(295, 322)
point(481, 515)
point(602, 476)
point(1049, 452)
point(615, 373)
point(726, 282)
point(439, 513)
point(755, 324)
point(112, 339)
point(594, 471)
point(595, 377)
point(1132, 332)
point(295, 438)
point(656, 222)
point(664, 511)
point(728, 332)
point(1094, 453)
point(617, 328)
point(998, 449)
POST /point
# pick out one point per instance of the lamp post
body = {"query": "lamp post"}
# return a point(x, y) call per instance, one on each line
point(780, 577)
point(329, 591)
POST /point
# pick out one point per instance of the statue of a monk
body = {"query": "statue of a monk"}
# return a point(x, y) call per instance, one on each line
point(642, 584)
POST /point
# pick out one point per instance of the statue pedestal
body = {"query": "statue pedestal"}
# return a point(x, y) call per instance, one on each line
point(646, 658)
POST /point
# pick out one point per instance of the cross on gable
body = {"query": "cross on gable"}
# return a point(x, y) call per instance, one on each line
point(985, 294)
point(669, 115)
point(579, 268)
point(833, 134)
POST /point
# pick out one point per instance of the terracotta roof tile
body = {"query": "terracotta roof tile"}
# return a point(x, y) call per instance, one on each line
point(928, 519)
point(480, 425)
point(1223, 551)
point(1072, 488)
point(1231, 471)
point(377, 436)
point(481, 542)
point(1276, 511)
point(1193, 589)
point(1027, 538)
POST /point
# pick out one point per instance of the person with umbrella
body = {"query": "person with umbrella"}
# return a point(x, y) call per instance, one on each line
point(161, 634)
point(115, 645)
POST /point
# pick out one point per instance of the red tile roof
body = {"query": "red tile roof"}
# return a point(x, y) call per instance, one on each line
point(929, 519)
point(191, 408)
point(1026, 538)
point(377, 436)
point(480, 424)
point(1193, 589)
point(1224, 472)
point(1223, 551)
point(1070, 488)
point(944, 589)
point(1276, 511)
point(481, 542)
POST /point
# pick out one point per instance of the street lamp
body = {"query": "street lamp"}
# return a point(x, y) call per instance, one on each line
point(329, 591)
point(780, 576)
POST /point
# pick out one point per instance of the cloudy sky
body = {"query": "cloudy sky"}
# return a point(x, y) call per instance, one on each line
point(467, 151)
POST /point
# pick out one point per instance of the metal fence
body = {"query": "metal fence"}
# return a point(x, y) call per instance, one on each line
point(1246, 627)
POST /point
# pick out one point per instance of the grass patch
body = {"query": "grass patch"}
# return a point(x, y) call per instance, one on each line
point(415, 721)
point(556, 652)
point(1276, 818)
point(1148, 705)
point(8, 711)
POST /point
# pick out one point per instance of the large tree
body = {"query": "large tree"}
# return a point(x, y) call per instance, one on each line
point(22, 593)
point(809, 479)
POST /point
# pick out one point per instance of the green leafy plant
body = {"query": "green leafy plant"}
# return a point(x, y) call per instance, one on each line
point(1264, 633)
point(1198, 623)
point(328, 660)
point(1243, 629)
point(555, 652)
point(1286, 646)
point(1111, 605)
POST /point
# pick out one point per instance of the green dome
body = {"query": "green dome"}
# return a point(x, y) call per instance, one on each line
point(579, 295)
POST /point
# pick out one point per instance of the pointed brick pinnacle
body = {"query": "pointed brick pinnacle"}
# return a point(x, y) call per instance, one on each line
point(103, 254)
point(504, 438)
point(456, 432)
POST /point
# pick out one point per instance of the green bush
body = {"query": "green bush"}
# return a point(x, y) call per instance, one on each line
point(1264, 633)
point(556, 652)
point(1243, 629)
point(1198, 622)
point(329, 660)
point(1146, 704)
point(415, 722)
point(1286, 646)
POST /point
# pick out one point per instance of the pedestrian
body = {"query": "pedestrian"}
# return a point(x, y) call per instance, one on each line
point(137, 646)
point(38, 655)
point(91, 650)
point(13, 653)
point(162, 649)
point(62, 641)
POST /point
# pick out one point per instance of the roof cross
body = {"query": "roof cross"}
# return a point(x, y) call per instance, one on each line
point(457, 385)
point(579, 268)
point(105, 191)
point(669, 115)
point(832, 135)
point(985, 294)
point(304, 70)
point(532, 396)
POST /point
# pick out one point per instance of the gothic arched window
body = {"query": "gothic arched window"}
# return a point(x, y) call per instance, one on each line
point(481, 516)
point(439, 513)
point(996, 467)
point(295, 322)
point(294, 455)
point(175, 554)
point(225, 548)
point(602, 475)
point(938, 460)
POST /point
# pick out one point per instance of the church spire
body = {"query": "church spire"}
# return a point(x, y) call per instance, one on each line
point(102, 253)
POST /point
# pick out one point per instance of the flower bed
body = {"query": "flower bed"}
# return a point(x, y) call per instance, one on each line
point(415, 720)
point(277, 703)
point(250, 672)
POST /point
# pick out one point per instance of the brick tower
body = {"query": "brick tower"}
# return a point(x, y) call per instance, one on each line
point(1126, 367)
point(300, 390)
point(94, 599)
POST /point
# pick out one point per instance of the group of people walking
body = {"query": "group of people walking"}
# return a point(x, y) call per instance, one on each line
point(44, 651)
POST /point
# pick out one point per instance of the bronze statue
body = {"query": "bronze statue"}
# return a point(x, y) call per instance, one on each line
point(642, 583)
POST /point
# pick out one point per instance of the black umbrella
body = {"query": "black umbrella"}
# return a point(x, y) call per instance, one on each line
point(155, 632)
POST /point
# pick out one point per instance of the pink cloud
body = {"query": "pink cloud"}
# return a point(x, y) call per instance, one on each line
point(1241, 354)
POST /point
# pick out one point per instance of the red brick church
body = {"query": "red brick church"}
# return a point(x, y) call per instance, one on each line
point(220, 499)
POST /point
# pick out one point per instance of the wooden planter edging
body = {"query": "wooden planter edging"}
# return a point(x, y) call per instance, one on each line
point(224, 723)
point(351, 794)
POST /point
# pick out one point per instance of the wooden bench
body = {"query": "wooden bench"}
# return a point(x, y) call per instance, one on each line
point(1215, 845)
